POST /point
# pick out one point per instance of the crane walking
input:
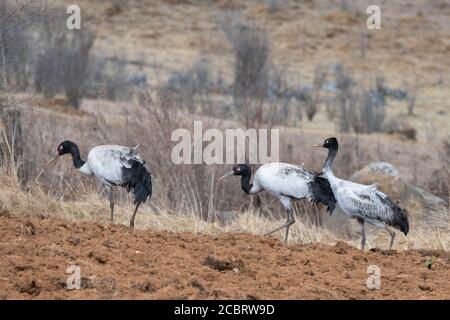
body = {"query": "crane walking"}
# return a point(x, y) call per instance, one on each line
point(362, 202)
point(286, 182)
point(113, 166)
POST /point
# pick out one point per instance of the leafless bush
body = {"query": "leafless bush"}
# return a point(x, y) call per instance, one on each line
point(75, 66)
point(284, 106)
point(312, 97)
point(111, 80)
point(411, 88)
point(344, 97)
point(15, 45)
point(62, 65)
point(47, 73)
point(191, 88)
point(274, 6)
point(440, 182)
point(344, 6)
point(251, 70)
point(411, 103)
point(359, 109)
point(370, 113)
point(15, 71)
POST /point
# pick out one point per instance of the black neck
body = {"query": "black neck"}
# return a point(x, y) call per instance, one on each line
point(245, 183)
point(330, 158)
point(75, 152)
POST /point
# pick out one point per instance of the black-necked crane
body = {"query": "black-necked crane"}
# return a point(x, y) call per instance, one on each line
point(362, 202)
point(113, 166)
point(286, 182)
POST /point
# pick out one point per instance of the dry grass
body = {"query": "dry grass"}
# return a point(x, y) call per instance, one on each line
point(93, 207)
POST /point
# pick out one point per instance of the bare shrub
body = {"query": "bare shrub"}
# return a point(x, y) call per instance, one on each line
point(251, 70)
point(370, 113)
point(110, 79)
point(62, 64)
point(344, 97)
point(15, 45)
point(440, 182)
point(284, 105)
point(312, 97)
point(47, 73)
point(272, 6)
point(410, 95)
point(411, 103)
point(15, 71)
point(190, 88)
point(359, 109)
point(75, 62)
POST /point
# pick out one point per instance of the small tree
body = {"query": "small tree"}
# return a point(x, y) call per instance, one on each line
point(62, 64)
point(251, 70)
point(344, 98)
point(74, 64)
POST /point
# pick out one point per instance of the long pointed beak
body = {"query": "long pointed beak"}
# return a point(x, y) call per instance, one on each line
point(317, 145)
point(228, 174)
point(46, 165)
point(51, 160)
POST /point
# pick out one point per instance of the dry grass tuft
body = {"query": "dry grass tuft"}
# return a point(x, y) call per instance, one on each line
point(93, 207)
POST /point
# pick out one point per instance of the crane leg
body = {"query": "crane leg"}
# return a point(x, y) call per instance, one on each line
point(111, 203)
point(392, 234)
point(133, 216)
point(363, 233)
point(290, 220)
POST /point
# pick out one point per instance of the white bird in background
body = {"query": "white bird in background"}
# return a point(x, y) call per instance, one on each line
point(113, 166)
point(362, 202)
point(286, 182)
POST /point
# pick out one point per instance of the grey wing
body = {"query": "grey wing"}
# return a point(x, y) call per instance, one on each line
point(295, 172)
point(108, 162)
point(127, 156)
point(369, 204)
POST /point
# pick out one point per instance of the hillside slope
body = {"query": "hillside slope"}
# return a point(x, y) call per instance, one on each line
point(117, 263)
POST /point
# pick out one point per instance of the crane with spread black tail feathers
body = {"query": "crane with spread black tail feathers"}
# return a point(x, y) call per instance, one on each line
point(113, 166)
point(286, 182)
point(361, 202)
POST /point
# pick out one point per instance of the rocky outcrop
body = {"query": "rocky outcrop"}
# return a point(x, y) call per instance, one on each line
point(385, 176)
point(389, 181)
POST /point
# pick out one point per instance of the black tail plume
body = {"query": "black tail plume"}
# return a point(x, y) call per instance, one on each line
point(322, 192)
point(138, 179)
point(399, 218)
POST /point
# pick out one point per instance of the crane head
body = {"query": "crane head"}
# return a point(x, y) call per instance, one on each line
point(330, 143)
point(64, 148)
point(238, 170)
